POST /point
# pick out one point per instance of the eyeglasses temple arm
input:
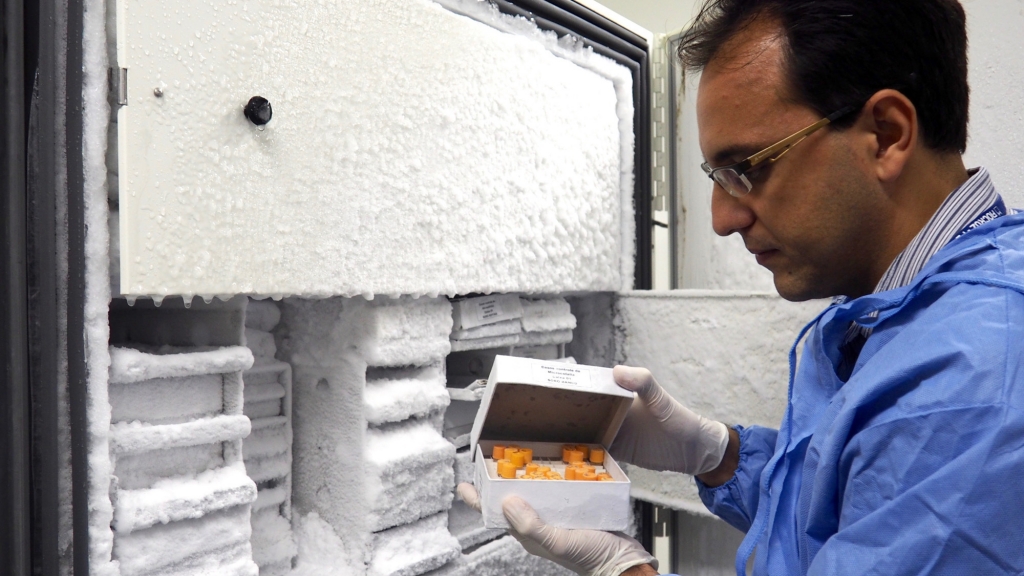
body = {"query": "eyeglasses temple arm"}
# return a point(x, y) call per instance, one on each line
point(788, 142)
point(774, 148)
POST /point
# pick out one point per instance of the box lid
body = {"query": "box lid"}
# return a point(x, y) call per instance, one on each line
point(530, 400)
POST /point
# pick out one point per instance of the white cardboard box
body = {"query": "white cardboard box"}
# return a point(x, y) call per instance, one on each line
point(542, 405)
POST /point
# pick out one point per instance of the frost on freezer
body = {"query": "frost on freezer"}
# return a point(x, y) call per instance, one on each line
point(267, 451)
point(513, 174)
point(406, 195)
point(181, 497)
point(414, 395)
point(368, 383)
point(414, 548)
point(409, 473)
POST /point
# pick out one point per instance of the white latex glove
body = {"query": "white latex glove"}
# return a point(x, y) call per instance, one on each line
point(586, 552)
point(659, 433)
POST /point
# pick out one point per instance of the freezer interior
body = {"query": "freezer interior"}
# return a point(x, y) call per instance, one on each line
point(312, 226)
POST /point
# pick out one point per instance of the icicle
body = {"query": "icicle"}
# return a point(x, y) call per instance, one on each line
point(157, 300)
point(131, 300)
point(207, 298)
point(187, 299)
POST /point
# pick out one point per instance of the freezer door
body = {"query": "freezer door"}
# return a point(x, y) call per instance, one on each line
point(349, 147)
point(722, 354)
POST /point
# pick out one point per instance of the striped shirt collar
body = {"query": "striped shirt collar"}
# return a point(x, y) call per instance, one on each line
point(967, 204)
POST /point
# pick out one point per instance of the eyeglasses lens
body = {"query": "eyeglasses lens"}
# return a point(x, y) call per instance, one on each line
point(734, 183)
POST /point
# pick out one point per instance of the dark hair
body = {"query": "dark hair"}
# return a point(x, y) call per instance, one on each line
point(840, 52)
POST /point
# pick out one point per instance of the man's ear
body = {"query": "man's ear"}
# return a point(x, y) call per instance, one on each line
point(891, 119)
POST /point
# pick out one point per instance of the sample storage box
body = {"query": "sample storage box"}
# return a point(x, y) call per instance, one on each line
point(543, 406)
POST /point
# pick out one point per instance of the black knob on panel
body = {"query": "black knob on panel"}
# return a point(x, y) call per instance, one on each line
point(258, 110)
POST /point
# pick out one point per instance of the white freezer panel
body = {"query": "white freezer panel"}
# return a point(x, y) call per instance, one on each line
point(724, 355)
point(411, 151)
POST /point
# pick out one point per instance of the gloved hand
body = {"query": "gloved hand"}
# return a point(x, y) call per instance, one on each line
point(659, 433)
point(588, 552)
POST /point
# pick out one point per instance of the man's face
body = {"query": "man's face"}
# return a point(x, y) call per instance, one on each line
point(809, 218)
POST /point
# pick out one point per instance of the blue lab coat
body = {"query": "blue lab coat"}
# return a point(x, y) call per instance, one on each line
point(915, 464)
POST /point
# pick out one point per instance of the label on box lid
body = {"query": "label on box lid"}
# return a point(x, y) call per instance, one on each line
point(563, 375)
point(541, 401)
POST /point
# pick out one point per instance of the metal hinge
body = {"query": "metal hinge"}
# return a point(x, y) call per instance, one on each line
point(118, 80)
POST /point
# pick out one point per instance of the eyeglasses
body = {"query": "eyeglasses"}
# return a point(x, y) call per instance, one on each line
point(733, 178)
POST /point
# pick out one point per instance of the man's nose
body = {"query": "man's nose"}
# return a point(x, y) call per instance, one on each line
point(728, 213)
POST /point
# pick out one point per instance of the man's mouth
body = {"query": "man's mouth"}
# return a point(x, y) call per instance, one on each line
point(763, 255)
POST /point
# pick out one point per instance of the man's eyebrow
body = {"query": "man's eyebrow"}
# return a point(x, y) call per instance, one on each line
point(733, 154)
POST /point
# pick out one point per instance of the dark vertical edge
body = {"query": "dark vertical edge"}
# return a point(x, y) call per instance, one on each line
point(15, 448)
point(644, 273)
point(645, 524)
point(77, 352)
point(676, 222)
point(44, 178)
point(672, 533)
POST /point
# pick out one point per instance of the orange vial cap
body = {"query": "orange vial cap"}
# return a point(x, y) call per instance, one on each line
point(544, 469)
point(565, 452)
point(575, 456)
point(498, 452)
point(570, 474)
point(529, 454)
point(583, 448)
point(597, 456)
point(518, 458)
point(506, 469)
point(590, 476)
point(531, 468)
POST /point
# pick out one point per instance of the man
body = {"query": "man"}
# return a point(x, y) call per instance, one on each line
point(902, 447)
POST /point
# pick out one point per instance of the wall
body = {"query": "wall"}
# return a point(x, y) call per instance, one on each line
point(996, 33)
point(658, 16)
point(996, 75)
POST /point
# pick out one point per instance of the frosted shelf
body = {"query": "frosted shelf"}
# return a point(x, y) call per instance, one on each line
point(482, 161)
point(270, 468)
point(266, 442)
point(215, 544)
point(414, 549)
point(502, 557)
point(177, 499)
point(410, 332)
point(135, 437)
point(395, 400)
point(410, 473)
point(467, 525)
point(129, 365)
point(168, 400)
point(505, 341)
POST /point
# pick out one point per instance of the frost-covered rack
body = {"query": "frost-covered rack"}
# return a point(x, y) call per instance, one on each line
point(181, 497)
point(267, 451)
